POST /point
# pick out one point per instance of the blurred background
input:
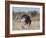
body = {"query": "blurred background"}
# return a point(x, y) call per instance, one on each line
point(2, 19)
point(34, 14)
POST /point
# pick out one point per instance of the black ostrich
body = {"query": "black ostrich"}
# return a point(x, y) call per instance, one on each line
point(27, 19)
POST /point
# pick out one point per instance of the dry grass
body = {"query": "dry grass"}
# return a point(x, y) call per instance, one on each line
point(17, 25)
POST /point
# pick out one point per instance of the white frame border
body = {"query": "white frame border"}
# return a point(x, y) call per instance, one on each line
point(25, 31)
